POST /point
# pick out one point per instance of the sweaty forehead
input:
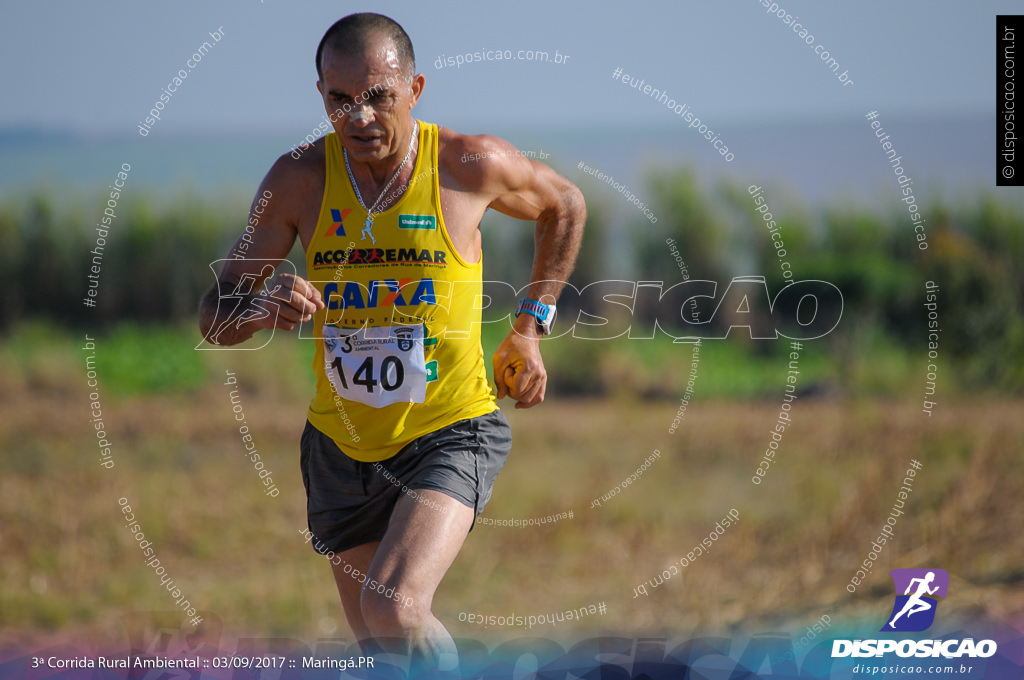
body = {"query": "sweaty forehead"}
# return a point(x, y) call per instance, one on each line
point(361, 66)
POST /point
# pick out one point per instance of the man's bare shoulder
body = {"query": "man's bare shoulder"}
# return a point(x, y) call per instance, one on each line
point(476, 162)
point(296, 177)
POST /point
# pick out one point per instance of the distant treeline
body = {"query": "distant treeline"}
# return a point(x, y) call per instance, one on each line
point(155, 267)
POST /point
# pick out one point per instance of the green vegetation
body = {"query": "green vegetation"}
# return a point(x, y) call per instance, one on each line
point(156, 266)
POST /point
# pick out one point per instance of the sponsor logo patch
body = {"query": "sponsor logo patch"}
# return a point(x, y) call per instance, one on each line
point(417, 222)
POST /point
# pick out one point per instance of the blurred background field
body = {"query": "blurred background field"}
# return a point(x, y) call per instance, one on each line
point(72, 571)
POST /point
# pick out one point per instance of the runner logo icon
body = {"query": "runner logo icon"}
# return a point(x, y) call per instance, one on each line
point(914, 610)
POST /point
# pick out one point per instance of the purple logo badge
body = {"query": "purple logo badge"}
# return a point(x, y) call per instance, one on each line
point(915, 606)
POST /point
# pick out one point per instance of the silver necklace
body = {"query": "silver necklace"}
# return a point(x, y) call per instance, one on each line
point(368, 229)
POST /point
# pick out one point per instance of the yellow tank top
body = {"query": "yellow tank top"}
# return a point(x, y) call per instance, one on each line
point(398, 351)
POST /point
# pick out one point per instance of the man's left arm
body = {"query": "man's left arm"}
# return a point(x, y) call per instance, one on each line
point(529, 190)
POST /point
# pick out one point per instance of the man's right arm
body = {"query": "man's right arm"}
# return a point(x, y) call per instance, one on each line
point(233, 309)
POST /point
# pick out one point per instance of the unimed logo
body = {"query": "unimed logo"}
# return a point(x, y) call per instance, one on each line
point(914, 611)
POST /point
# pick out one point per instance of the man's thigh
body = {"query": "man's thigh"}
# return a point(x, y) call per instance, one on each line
point(348, 503)
point(423, 538)
point(461, 460)
point(352, 503)
point(445, 483)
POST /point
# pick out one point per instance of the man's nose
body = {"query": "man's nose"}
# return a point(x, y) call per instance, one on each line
point(362, 114)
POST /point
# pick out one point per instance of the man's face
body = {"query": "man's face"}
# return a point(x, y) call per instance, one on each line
point(369, 100)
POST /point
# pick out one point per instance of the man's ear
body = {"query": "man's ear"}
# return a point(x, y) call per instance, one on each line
point(417, 85)
point(319, 87)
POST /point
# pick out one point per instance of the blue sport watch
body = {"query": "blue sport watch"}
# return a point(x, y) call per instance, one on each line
point(545, 314)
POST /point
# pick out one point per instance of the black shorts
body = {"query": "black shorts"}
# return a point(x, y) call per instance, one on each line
point(349, 503)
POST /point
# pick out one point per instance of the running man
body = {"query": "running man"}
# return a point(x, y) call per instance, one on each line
point(915, 603)
point(402, 385)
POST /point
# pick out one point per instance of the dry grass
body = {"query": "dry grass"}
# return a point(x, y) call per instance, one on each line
point(72, 571)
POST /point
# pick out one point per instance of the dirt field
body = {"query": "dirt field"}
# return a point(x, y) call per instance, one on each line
point(72, 571)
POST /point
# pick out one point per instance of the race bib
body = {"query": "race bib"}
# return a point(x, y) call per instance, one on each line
point(377, 366)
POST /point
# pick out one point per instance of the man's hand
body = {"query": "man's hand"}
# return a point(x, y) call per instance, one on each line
point(518, 367)
point(236, 314)
point(298, 298)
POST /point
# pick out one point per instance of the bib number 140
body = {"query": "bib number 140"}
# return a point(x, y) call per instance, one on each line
point(377, 366)
point(392, 374)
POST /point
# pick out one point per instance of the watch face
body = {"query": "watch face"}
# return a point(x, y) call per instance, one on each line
point(544, 319)
point(549, 320)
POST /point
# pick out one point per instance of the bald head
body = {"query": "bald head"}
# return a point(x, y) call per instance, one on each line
point(367, 33)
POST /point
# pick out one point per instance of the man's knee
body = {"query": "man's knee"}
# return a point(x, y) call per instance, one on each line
point(383, 615)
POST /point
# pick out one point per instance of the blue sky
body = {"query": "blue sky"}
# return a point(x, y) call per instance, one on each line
point(99, 69)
